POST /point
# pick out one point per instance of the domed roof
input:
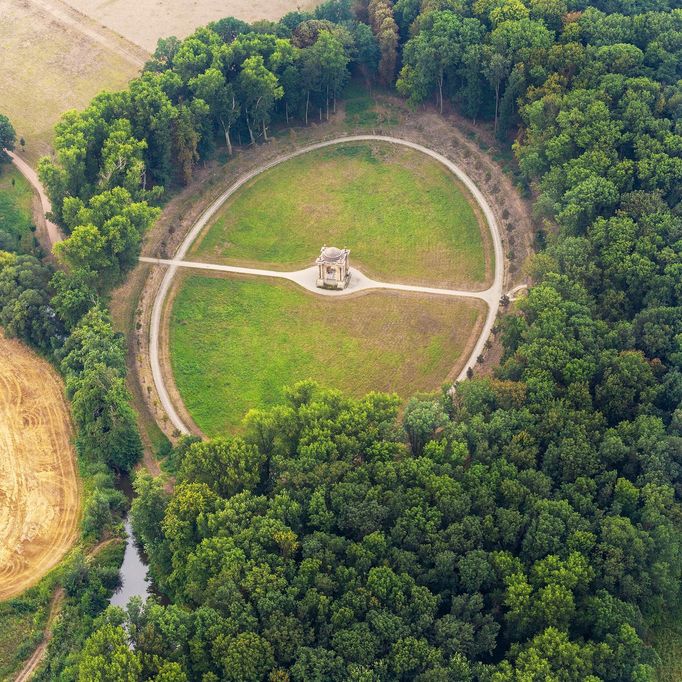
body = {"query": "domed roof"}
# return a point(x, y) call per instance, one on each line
point(330, 254)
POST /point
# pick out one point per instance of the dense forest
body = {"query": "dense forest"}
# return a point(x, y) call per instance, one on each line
point(63, 318)
point(527, 528)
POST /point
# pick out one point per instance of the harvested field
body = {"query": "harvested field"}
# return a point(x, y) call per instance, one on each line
point(145, 23)
point(39, 486)
point(51, 62)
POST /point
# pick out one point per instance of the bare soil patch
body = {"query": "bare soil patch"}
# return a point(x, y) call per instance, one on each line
point(144, 23)
point(39, 486)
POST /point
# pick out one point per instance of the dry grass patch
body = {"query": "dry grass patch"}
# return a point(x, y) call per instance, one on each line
point(39, 486)
point(144, 23)
point(46, 68)
point(235, 343)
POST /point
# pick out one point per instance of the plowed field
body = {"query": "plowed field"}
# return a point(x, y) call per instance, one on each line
point(39, 486)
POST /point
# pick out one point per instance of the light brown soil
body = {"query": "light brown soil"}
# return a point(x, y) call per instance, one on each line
point(39, 486)
point(51, 60)
point(143, 23)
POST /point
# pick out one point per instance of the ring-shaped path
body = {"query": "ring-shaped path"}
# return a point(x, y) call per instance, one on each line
point(491, 296)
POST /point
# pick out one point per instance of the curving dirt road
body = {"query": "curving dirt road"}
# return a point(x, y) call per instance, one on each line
point(33, 663)
point(491, 296)
point(54, 234)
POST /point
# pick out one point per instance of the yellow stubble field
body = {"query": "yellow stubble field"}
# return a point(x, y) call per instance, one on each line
point(39, 484)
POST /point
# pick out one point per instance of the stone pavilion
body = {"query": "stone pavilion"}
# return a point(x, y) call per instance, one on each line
point(333, 268)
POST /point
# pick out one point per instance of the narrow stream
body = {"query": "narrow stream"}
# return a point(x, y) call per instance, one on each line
point(133, 572)
point(134, 581)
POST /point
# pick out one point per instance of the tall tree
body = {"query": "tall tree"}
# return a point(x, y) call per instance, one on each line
point(7, 137)
point(332, 65)
point(436, 54)
point(213, 88)
point(259, 90)
point(107, 657)
point(385, 28)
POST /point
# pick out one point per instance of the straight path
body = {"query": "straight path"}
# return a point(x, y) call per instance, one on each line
point(491, 296)
point(54, 234)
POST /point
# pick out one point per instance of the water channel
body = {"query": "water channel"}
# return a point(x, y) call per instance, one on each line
point(134, 582)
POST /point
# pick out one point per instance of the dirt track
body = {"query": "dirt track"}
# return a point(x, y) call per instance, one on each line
point(39, 486)
point(36, 659)
point(54, 233)
point(89, 28)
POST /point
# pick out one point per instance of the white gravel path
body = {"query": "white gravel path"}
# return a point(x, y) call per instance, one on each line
point(307, 279)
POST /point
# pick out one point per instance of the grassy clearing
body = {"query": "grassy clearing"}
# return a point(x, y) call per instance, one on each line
point(47, 68)
point(16, 221)
point(402, 214)
point(236, 343)
point(667, 640)
point(362, 109)
point(23, 620)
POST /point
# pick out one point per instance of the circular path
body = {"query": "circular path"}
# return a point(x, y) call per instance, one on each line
point(306, 278)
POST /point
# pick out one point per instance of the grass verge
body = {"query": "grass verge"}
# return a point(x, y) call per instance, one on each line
point(16, 220)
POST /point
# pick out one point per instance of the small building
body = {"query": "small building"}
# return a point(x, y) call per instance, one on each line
point(333, 268)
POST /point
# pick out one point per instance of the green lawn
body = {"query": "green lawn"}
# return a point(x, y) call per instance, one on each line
point(16, 222)
point(403, 215)
point(236, 343)
point(22, 621)
point(666, 638)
